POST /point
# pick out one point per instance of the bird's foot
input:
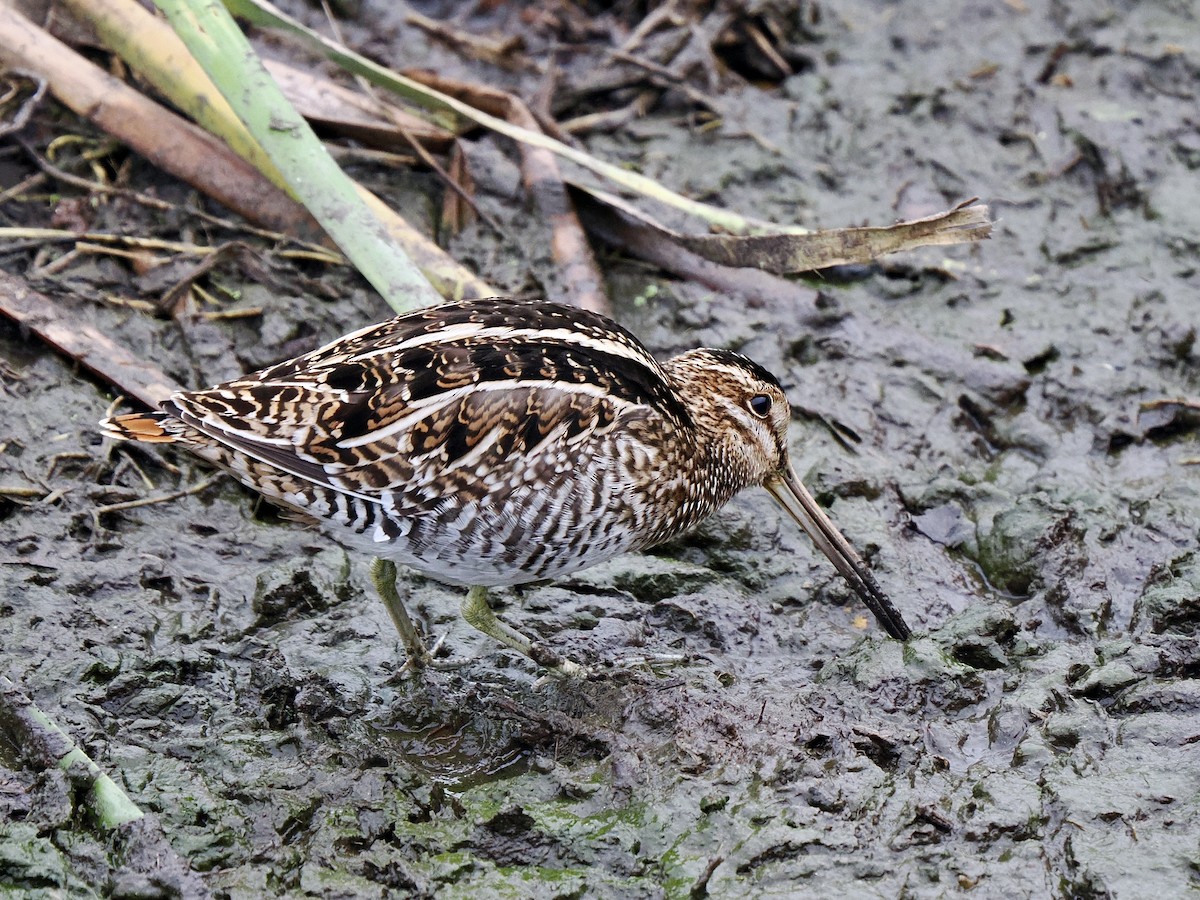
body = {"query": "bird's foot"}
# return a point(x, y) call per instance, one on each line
point(418, 658)
point(556, 664)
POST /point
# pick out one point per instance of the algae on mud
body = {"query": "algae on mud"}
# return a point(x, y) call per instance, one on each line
point(1038, 742)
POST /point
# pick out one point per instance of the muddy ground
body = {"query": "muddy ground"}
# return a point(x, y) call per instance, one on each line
point(1039, 737)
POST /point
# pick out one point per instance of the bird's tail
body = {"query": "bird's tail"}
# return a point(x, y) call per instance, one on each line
point(149, 428)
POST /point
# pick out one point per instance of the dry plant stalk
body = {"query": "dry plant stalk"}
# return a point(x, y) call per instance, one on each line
point(153, 49)
point(109, 361)
point(165, 139)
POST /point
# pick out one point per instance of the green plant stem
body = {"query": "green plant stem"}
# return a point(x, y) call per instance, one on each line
point(216, 42)
point(41, 740)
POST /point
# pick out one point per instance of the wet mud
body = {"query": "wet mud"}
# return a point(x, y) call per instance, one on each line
point(972, 417)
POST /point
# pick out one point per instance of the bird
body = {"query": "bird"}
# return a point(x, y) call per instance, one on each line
point(495, 442)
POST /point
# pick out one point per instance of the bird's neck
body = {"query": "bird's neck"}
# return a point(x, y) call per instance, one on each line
point(695, 475)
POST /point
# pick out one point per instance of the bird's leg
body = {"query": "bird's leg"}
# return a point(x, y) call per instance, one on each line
point(383, 573)
point(479, 615)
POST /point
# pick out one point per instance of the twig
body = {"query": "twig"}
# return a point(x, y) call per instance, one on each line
point(173, 298)
point(152, 501)
point(22, 492)
point(767, 49)
point(244, 312)
point(20, 118)
point(367, 155)
point(1166, 402)
point(505, 52)
point(23, 187)
point(665, 78)
point(700, 887)
point(583, 285)
point(34, 236)
point(97, 187)
point(610, 119)
point(664, 13)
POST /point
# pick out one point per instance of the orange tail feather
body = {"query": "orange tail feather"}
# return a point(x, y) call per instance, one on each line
point(149, 428)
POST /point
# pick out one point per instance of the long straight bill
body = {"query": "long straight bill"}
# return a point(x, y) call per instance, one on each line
point(795, 498)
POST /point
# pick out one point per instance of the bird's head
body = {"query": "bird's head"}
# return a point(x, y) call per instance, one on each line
point(739, 411)
point(741, 418)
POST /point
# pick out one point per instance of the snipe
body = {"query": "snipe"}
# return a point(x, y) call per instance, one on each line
point(492, 442)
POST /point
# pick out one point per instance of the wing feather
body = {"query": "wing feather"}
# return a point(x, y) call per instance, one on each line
point(424, 406)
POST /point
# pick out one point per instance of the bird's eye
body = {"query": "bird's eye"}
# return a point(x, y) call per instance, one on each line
point(760, 405)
